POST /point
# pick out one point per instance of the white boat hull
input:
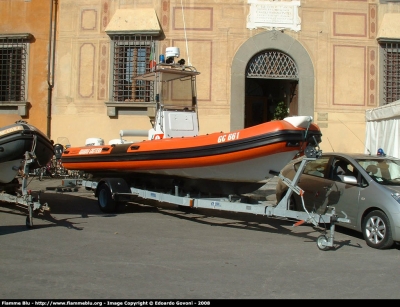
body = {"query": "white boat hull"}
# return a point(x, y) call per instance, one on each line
point(252, 170)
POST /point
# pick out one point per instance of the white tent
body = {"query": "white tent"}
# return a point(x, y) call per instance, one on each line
point(383, 129)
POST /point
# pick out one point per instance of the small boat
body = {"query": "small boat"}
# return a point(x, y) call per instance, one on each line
point(174, 153)
point(16, 141)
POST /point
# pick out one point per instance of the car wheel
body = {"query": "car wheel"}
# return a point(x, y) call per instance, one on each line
point(292, 202)
point(376, 230)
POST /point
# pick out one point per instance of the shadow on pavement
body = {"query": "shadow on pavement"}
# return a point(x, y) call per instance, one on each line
point(236, 220)
point(78, 204)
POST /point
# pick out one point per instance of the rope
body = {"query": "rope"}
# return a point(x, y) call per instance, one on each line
point(184, 28)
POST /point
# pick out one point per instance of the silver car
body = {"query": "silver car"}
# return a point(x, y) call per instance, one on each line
point(364, 187)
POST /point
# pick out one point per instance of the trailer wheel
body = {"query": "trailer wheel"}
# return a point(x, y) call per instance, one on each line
point(105, 200)
point(29, 223)
point(376, 230)
point(40, 173)
point(29, 218)
point(322, 243)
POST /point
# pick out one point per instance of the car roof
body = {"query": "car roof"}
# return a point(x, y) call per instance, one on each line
point(351, 156)
point(356, 156)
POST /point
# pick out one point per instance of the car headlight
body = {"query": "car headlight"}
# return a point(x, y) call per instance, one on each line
point(396, 196)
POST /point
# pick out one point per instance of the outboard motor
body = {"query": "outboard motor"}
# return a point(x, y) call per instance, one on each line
point(58, 150)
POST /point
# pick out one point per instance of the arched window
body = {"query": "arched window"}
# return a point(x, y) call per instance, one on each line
point(272, 64)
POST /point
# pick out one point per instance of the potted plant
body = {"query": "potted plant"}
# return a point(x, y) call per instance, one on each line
point(281, 111)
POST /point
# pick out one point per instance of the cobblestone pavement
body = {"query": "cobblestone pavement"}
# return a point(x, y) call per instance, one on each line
point(156, 251)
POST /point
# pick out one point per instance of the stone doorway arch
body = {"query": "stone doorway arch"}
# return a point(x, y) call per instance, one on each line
point(259, 43)
point(271, 81)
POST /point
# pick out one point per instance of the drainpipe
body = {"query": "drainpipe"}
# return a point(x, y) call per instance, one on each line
point(50, 62)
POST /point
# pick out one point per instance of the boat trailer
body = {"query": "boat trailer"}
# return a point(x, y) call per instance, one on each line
point(23, 197)
point(111, 191)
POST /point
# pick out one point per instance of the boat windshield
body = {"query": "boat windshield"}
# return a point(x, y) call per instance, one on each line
point(383, 171)
point(180, 94)
point(175, 86)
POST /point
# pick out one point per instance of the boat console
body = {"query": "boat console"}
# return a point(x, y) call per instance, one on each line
point(176, 113)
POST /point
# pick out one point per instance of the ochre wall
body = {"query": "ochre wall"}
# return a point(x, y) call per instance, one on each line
point(20, 16)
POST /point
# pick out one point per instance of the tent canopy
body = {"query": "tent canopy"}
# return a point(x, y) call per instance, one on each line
point(383, 129)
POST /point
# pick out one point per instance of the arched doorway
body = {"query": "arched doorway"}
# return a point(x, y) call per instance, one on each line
point(271, 81)
point(258, 44)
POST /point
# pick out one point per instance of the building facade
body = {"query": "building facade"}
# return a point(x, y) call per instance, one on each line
point(329, 59)
point(26, 62)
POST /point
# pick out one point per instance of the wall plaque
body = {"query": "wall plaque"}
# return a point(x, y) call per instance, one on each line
point(274, 15)
point(322, 116)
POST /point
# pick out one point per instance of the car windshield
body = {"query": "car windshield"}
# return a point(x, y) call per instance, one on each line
point(384, 171)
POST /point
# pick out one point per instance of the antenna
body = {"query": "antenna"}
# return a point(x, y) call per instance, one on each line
point(184, 28)
point(357, 137)
point(330, 144)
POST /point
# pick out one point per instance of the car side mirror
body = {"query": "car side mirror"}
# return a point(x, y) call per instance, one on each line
point(348, 179)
